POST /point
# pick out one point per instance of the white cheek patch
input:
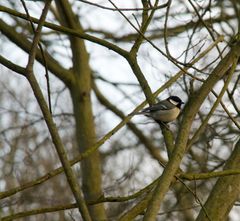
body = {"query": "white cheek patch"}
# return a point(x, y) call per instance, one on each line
point(173, 102)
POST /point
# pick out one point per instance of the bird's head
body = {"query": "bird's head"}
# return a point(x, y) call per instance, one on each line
point(175, 100)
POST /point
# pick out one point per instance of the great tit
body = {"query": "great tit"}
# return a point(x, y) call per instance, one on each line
point(164, 111)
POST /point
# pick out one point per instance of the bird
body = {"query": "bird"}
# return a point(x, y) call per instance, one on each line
point(164, 111)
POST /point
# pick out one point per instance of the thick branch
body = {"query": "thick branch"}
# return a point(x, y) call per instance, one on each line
point(225, 192)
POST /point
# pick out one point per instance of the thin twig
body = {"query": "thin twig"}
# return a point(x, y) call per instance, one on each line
point(124, 9)
point(43, 56)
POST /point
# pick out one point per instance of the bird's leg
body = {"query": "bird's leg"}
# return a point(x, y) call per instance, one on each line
point(163, 124)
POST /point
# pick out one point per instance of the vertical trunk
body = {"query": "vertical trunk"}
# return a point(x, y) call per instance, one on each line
point(80, 91)
point(85, 128)
point(85, 135)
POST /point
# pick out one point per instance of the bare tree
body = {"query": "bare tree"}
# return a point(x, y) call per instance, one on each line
point(64, 156)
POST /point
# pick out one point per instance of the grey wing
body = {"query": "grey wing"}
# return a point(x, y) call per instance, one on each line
point(162, 105)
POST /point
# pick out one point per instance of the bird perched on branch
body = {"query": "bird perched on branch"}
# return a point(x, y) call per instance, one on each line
point(164, 111)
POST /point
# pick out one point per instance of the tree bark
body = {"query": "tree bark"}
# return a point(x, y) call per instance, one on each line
point(224, 193)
